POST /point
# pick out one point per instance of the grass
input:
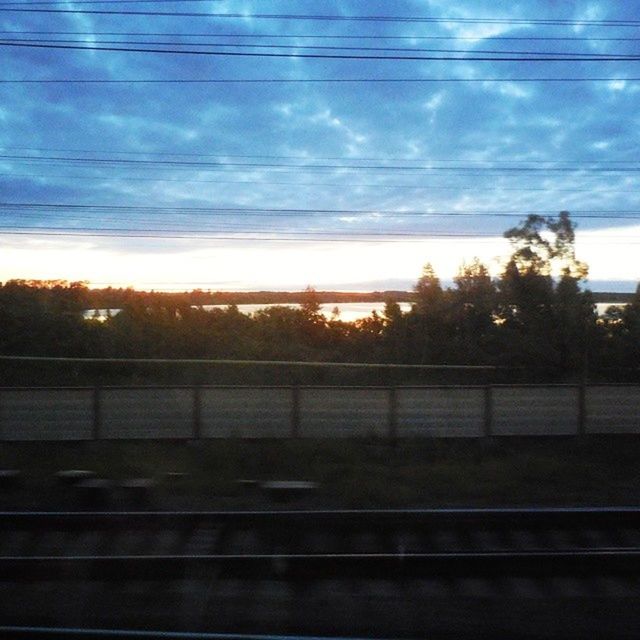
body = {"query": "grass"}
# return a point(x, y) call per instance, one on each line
point(595, 470)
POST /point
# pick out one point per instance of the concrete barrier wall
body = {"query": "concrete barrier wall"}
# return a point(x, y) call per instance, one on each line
point(545, 411)
point(437, 412)
point(146, 413)
point(613, 409)
point(46, 414)
point(246, 412)
point(340, 412)
point(315, 412)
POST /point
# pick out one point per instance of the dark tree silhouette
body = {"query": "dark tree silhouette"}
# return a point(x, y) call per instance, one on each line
point(535, 316)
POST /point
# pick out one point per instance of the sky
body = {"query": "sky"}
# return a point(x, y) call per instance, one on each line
point(310, 159)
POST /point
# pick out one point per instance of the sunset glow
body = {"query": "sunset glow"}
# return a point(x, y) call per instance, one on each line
point(355, 266)
point(339, 154)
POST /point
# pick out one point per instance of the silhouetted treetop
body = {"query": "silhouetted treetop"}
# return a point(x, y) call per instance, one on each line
point(544, 245)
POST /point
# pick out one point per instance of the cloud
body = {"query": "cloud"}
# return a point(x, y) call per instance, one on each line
point(268, 134)
point(588, 12)
point(478, 31)
point(512, 90)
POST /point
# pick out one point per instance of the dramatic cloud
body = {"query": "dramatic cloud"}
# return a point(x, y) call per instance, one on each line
point(285, 184)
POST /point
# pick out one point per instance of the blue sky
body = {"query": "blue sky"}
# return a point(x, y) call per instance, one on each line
point(353, 168)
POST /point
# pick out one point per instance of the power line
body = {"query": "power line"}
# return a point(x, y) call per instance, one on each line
point(299, 211)
point(270, 214)
point(258, 173)
point(270, 218)
point(298, 236)
point(236, 45)
point(268, 221)
point(222, 154)
point(511, 172)
point(421, 187)
point(274, 232)
point(361, 80)
point(187, 164)
point(17, 5)
point(323, 36)
point(326, 56)
point(342, 18)
point(179, 234)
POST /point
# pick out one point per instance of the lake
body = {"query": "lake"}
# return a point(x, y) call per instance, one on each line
point(349, 311)
point(601, 307)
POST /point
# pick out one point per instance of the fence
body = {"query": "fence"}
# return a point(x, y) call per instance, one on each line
point(316, 412)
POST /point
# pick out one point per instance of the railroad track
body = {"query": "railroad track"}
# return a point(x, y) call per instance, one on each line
point(322, 566)
point(320, 544)
point(374, 573)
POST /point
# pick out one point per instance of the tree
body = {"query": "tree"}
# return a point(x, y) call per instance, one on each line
point(575, 320)
point(44, 317)
point(563, 248)
point(474, 285)
point(427, 322)
point(544, 323)
point(391, 312)
point(311, 304)
point(394, 333)
point(279, 332)
point(428, 292)
point(531, 252)
point(631, 330)
point(546, 245)
point(474, 304)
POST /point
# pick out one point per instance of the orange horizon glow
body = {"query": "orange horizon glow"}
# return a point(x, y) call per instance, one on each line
point(230, 266)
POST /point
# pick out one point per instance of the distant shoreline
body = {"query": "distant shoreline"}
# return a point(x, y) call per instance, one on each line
point(297, 297)
point(104, 298)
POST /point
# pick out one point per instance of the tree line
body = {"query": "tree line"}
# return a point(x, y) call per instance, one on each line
point(535, 318)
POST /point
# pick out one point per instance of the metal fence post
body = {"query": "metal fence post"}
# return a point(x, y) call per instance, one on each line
point(197, 412)
point(393, 413)
point(97, 414)
point(488, 411)
point(295, 411)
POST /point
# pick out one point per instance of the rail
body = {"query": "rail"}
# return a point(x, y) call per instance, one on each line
point(392, 573)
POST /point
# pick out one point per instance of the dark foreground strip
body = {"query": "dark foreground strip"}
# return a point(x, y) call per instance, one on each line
point(311, 519)
point(492, 564)
point(98, 634)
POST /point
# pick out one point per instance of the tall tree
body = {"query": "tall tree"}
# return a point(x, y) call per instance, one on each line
point(428, 292)
point(531, 251)
point(544, 323)
point(311, 304)
point(427, 322)
point(631, 324)
point(474, 304)
point(394, 331)
point(563, 253)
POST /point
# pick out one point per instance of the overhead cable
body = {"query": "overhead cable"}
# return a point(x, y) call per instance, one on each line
point(340, 18)
point(595, 190)
point(320, 36)
point(425, 167)
point(326, 56)
point(359, 80)
point(91, 44)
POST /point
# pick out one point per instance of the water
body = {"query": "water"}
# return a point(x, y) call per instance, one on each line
point(601, 307)
point(348, 311)
point(100, 314)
